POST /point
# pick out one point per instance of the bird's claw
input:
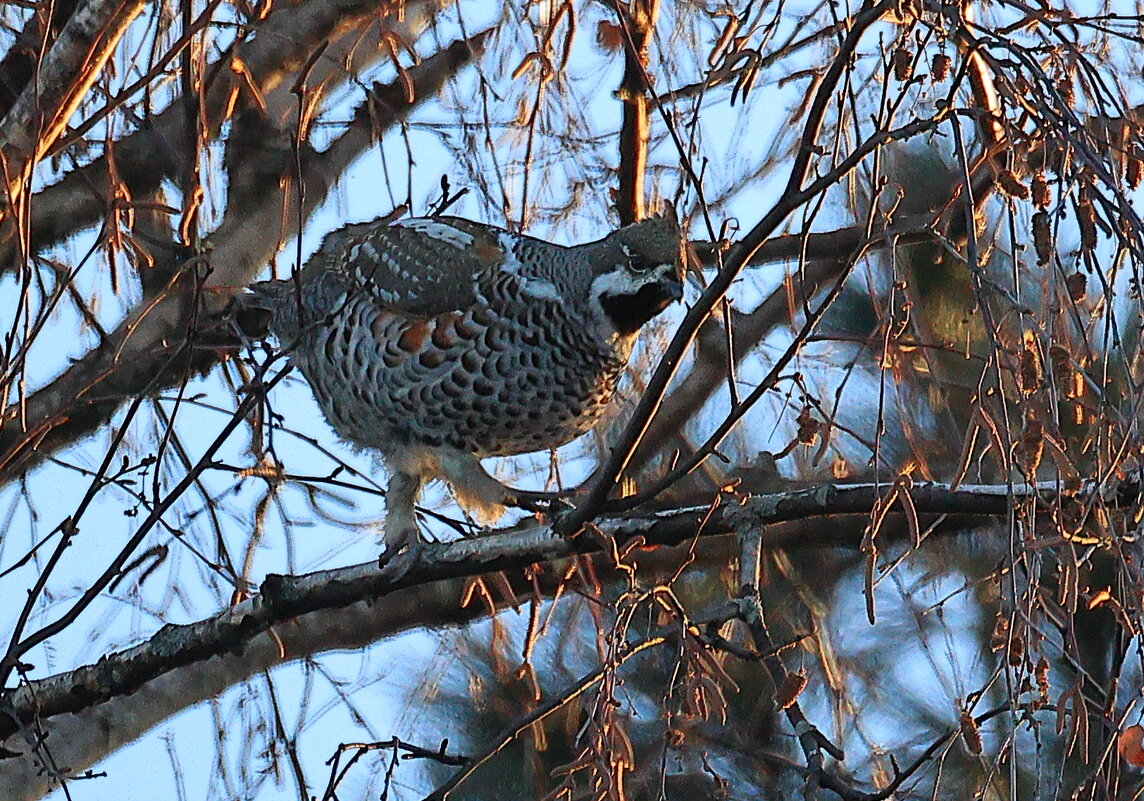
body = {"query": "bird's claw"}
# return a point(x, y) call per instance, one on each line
point(545, 503)
point(400, 555)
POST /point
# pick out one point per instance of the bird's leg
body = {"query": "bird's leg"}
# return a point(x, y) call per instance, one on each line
point(478, 493)
point(402, 539)
point(481, 495)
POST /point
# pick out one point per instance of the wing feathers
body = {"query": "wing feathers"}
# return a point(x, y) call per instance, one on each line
point(420, 267)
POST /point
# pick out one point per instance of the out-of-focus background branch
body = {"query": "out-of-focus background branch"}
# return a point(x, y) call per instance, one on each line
point(154, 347)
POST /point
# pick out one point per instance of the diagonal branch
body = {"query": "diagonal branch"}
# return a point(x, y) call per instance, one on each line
point(825, 255)
point(265, 63)
point(18, 66)
point(792, 197)
point(37, 117)
point(152, 348)
point(86, 736)
point(553, 704)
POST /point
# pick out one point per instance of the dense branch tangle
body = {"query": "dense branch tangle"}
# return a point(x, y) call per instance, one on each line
point(1034, 380)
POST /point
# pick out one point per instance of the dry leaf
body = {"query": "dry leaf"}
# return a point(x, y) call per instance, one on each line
point(939, 66)
point(1042, 196)
point(1042, 237)
point(903, 64)
point(609, 36)
point(793, 685)
point(1129, 745)
point(969, 732)
point(1011, 185)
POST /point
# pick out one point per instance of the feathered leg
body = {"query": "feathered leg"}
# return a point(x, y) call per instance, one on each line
point(402, 538)
point(481, 495)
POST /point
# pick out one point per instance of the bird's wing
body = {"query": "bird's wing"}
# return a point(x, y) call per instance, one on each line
point(419, 267)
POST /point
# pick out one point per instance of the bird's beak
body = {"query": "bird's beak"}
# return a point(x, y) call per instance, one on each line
point(666, 291)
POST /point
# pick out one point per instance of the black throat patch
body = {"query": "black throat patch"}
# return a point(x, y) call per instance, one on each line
point(628, 313)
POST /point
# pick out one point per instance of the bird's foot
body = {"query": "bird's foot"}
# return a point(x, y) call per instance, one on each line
point(402, 551)
point(545, 503)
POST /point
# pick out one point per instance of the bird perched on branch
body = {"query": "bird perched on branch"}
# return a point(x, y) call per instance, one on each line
point(441, 341)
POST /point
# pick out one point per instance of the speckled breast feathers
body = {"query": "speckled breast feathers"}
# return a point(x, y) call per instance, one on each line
point(433, 339)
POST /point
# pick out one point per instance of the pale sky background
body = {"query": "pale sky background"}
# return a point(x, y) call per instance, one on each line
point(183, 591)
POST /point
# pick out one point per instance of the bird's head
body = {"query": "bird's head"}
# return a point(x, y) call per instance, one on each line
point(639, 271)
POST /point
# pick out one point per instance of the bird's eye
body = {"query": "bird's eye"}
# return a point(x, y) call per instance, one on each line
point(635, 262)
point(639, 265)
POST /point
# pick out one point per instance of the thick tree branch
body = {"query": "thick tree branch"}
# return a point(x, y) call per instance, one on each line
point(267, 62)
point(152, 348)
point(80, 739)
point(63, 77)
point(18, 65)
point(283, 598)
point(83, 738)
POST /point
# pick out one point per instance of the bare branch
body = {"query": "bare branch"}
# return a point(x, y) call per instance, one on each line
point(38, 115)
point(637, 21)
point(277, 48)
point(282, 598)
point(153, 347)
point(18, 65)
